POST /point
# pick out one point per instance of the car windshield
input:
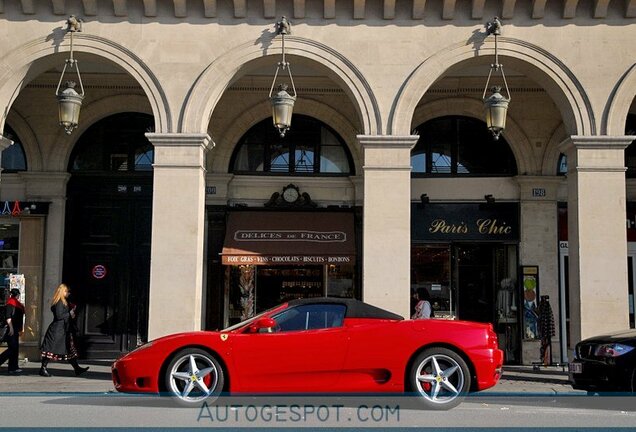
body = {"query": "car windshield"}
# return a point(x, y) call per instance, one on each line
point(254, 318)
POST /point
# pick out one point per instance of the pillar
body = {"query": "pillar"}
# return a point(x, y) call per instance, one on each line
point(386, 238)
point(538, 246)
point(597, 237)
point(48, 187)
point(178, 231)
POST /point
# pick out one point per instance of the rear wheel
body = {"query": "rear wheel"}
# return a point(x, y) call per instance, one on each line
point(441, 377)
point(194, 376)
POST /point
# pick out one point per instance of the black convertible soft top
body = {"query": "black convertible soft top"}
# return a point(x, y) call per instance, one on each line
point(355, 308)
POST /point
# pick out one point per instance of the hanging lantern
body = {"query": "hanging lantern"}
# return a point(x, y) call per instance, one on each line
point(69, 100)
point(496, 105)
point(69, 103)
point(282, 102)
point(282, 109)
point(496, 108)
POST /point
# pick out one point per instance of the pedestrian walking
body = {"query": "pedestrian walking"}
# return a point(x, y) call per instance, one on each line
point(15, 321)
point(60, 338)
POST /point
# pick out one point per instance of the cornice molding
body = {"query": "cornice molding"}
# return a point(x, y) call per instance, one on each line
point(242, 10)
point(601, 142)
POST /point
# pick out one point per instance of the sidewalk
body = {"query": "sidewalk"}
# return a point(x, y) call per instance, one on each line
point(96, 380)
point(516, 379)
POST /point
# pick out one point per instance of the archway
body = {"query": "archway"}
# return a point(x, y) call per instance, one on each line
point(535, 62)
point(208, 90)
point(107, 233)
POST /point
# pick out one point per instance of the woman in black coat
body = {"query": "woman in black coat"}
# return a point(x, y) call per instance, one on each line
point(59, 340)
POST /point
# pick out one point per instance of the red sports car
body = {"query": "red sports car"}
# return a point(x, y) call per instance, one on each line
point(323, 345)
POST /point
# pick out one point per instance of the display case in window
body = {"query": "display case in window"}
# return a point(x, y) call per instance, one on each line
point(9, 238)
point(340, 280)
point(9, 242)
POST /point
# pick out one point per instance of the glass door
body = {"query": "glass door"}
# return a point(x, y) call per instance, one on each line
point(431, 270)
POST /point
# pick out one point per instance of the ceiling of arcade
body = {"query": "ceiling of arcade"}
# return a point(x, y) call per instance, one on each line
point(449, 9)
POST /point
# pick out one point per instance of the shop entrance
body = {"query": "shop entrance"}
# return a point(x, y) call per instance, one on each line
point(254, 289)
point(276, 285)
point(108, 232)
point(107, 263)
point(275, 257)
point(475, 282)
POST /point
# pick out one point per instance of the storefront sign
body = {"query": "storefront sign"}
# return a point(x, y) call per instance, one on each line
point(283, 238)
point(280, 235)
point(285, 259)
point(444, 222)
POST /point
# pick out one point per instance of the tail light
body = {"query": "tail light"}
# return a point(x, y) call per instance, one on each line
point(492, 341)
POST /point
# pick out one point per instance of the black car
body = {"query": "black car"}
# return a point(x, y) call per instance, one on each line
point(605, 363)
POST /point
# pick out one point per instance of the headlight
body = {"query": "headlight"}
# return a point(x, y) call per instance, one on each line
point(141, 347)
point(612, 350)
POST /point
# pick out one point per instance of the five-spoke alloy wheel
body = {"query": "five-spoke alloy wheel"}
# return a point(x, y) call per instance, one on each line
point(193, 376)
point(441, 377)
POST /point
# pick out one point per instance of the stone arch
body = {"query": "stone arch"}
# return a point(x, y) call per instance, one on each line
point(620, 100)
point(21, 65)
point(28, 140)
point(206, 92)
point(92, 113)
point(550, 161)
point(222, 152)
point(544, 68)
point(470, 107)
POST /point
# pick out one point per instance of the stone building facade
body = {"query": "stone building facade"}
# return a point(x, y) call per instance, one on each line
point(143, 244)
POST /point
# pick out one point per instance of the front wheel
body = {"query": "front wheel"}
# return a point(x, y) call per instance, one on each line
point(194, 376)
point(441, 377)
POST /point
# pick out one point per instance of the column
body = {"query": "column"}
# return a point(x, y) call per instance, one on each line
point(386, 239)
point(597, 237)
point(178, 231)
point(538, 246)
point(48, 187)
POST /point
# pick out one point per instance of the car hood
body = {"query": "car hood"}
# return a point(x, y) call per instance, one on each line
point(627, 337)
point(163, 341)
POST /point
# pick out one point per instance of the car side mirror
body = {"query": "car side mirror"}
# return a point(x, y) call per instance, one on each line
point(262, 323)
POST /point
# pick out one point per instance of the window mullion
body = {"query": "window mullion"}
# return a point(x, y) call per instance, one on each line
point(455, 147)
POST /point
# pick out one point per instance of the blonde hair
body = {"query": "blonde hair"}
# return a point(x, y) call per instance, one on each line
point(60, 295)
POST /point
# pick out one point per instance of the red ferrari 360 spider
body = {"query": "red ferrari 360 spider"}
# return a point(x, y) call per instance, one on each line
point(324, 345)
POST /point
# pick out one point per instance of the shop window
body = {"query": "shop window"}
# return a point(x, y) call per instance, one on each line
point(9, 241)
point(310, 147)
point(431, 270)
point(115, 144)
point(13, 158)
point(630, 151)
point(562, 167)
point(254, 289)
point(340, 281)
point(460, 146)
point(310, 317)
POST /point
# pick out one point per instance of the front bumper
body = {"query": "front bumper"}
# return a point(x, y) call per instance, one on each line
point(131, 375)
point(592, 375)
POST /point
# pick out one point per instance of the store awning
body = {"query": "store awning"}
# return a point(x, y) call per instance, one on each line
point(281, 238)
